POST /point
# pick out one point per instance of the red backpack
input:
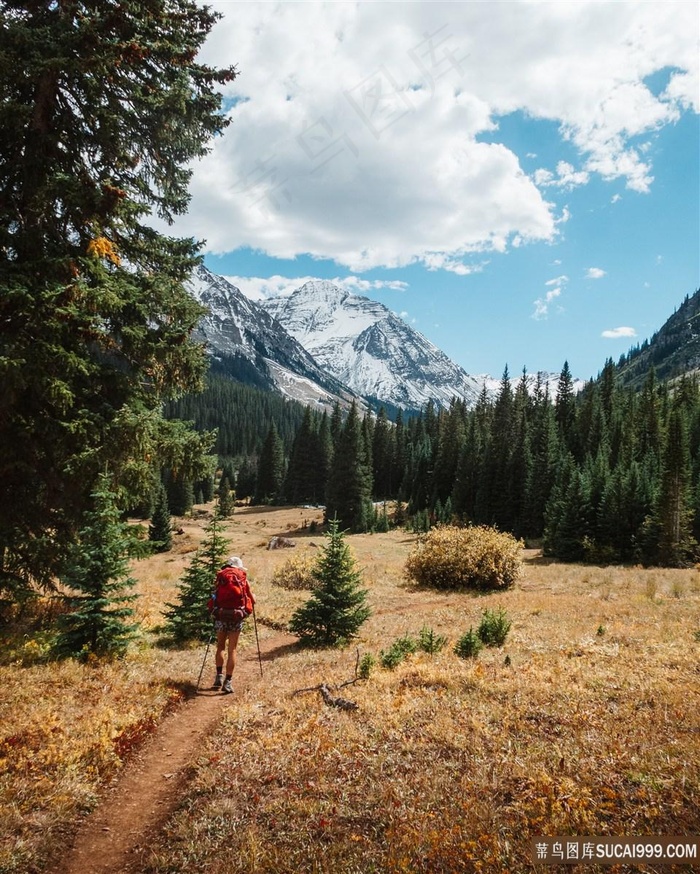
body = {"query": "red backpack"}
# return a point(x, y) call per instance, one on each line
point(232, 594)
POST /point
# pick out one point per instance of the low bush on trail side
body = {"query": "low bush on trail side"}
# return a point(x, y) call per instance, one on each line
point(296, 574)
point(478, 557)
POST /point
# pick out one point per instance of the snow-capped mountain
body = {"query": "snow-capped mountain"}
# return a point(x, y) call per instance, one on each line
point(323, 344)
point(241, 333)
point(370, 349)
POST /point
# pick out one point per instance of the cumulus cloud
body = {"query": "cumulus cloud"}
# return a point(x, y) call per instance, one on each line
point(358, 129)
point(258, 288)
point(566, 178)
point(616, 333)
point(543, 304)
point(595, 273)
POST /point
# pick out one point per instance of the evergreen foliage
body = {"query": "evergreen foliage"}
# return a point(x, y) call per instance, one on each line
point(187, 619)
point(97, 571)
point(349, 494)
point(494, 627)
point(591, 477)
point(469, 645)
point(103, 108)
point(180, 492)
point(337, 607)
point(268, 487)
point(160, 531)
point(225, 497)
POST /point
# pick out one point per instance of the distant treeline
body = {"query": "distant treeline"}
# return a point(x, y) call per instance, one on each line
point(610, 474)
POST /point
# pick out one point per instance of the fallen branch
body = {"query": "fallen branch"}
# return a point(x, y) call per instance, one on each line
point(342, 703)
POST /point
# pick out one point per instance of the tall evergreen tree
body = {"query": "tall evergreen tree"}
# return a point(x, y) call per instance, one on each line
point(674, 507)
point(225, 498)
point(324, 459)
point(268, 487)
point(103, 108)
point(565, 408)
point(160, 531)
point(180, 493)
point(337, 608)
point(97, 573)
point(350, 481)
point(451, 440)
point(300, 482)
point(187, 619)
point(382, 457)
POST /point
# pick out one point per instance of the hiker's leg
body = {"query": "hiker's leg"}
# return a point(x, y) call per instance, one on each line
point(232, 644)
point(220, 647)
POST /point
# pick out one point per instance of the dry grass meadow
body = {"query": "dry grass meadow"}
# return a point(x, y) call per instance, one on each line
point(586, 722)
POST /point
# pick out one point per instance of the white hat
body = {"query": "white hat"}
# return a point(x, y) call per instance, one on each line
point(234, 561)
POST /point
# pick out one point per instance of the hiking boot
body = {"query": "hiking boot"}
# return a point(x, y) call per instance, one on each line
point(227, 688)
point(218, 680)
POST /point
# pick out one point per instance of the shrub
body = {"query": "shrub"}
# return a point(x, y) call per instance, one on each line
point(449, 557)
point(469, 645)
point(430, 642)
point(367, 662)
point(296, 573)
point(494, 628)
point(398, 651)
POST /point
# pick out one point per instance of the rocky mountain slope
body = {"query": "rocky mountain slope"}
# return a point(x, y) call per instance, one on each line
point(673, 350)
point(370, 349)
point(249, 344)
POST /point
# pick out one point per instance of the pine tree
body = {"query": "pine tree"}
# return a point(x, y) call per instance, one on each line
point(187, 619)
point(350, 481)
point(160, 531)
point(674, 510)
point(225, 499)
point(300, 483)
point(565, 408)
point(180, 493)
point(337, 608)
point(268, 487)
point(97, 572)
point(103, 108)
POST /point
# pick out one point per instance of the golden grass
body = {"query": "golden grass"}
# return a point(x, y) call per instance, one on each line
point(593, 728)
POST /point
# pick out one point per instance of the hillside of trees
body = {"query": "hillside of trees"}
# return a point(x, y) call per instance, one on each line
point(611, 474)
point(673, 350)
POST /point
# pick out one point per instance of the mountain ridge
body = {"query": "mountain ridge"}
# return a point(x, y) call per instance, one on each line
point(323, 344)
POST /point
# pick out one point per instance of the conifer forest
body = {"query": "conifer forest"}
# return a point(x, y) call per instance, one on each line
point(609, 475)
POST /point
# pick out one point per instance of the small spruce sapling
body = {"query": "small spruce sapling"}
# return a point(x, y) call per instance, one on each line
point(429, 641)
point(187, 619)
point(469, 645)
point(97, 572)
point(338, 607)
point(494, 627)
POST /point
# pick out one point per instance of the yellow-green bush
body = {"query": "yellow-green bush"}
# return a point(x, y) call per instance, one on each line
point(478, 557)
point(296, 573)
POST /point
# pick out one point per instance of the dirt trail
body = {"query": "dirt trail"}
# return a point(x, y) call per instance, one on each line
point(113, 837)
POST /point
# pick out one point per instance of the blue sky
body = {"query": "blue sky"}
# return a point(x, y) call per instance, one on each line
point(520, 181)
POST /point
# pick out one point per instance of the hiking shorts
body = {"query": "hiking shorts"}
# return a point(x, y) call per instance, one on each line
point(221, 625)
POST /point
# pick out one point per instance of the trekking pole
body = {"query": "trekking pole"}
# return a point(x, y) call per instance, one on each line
point(206, 653)
point(257, 640)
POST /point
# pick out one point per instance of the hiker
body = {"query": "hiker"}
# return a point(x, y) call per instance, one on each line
point(231, 603)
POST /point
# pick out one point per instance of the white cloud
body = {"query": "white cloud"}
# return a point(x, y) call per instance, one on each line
point(543, 304)
point(595, 273)
point(356, 135)
point(615, 198)
point(258, 288)
point(616, 333)
point(567, 177)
